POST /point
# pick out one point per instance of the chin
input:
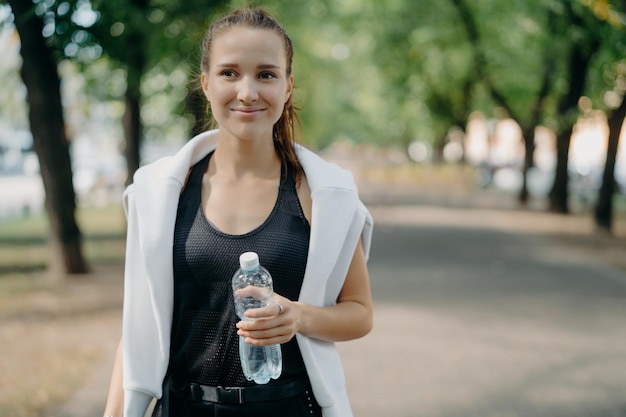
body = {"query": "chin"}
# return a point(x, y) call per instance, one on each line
point(249, 134)
point(250, 131)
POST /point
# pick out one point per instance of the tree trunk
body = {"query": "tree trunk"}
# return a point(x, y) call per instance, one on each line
point(603, 212)
point(528, 131)
point(559, 193)
point(529, 153)
point(440, 143)
point(131, 122)
point(581, 52)
point(132, 97)
point(39, 73)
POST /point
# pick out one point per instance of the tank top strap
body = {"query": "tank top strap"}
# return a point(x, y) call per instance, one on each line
point(287, 179)
point(198, 170)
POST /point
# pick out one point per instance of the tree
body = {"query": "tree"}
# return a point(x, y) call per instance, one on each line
point(581, 28)
point(603, 211)
point(139, 34)
point(135, 36)
point(527, 120)
point(415, 61)
point(39, 73)
point(565, 61)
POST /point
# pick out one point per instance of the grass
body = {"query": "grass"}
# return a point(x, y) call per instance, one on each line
point(42, 362)
point(24, 253)
point(52, 333)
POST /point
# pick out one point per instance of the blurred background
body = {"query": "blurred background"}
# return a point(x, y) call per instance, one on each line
point(514, 106)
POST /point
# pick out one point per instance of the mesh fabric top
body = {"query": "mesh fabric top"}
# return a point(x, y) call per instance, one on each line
point(204, 337)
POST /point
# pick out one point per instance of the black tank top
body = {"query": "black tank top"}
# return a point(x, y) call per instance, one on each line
point(204, 345)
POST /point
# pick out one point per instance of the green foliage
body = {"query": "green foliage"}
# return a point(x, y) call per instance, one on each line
point(330, 71)
point(368, 71)
point(516, 46)
point(608, 78)
point(127, 42)
point(13, 92)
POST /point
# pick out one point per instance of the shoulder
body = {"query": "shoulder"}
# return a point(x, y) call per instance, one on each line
point(157, 166)
point(176, 166)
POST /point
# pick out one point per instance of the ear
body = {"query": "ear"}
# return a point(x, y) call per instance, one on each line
point(204, 82)
point(289, 88)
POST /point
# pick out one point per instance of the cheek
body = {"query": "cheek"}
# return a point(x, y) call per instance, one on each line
point(279, 98)
point(217, 92)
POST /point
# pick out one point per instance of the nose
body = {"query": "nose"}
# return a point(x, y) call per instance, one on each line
point(247, 90)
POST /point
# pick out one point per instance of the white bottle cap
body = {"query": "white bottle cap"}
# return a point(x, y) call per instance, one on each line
point(249, 260)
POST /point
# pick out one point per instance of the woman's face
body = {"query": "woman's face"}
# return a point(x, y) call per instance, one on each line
point(247, 83)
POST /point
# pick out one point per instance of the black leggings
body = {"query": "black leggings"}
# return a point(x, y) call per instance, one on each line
point(300, 405)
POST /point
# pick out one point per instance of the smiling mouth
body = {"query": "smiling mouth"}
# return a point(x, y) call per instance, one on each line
point(247, 111)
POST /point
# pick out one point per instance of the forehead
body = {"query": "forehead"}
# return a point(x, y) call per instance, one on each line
point(238, 44)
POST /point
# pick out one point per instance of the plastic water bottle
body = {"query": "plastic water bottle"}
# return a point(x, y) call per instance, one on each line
point(253, 288)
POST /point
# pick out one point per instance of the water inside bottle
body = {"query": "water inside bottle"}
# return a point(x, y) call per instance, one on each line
point(263, 362)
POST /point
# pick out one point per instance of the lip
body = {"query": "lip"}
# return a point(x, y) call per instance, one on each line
point(247, 111)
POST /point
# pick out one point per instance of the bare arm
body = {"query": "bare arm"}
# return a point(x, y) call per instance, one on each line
point(351, 317)
point(115, 399)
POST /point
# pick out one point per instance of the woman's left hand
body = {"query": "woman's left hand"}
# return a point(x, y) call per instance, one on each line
point(274, 324)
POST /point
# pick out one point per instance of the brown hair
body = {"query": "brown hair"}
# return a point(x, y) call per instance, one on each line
point(284, 131)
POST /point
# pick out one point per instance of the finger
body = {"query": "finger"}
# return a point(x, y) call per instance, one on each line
point(266, 337)
point(267, 311)
point(265, 330)
point(259, 313)
point(266, 342)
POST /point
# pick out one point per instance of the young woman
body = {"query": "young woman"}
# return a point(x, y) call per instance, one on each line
point(245, 186)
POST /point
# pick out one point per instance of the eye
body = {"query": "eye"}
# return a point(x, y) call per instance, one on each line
point(228, 73)
point(267, 75)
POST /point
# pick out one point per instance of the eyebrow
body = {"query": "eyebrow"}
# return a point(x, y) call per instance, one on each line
point(261, 66)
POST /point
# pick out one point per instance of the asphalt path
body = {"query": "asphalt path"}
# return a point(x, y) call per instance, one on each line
point(476, 314)
point(479, 317)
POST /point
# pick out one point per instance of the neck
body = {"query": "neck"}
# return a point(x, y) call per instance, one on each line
point(241, 158)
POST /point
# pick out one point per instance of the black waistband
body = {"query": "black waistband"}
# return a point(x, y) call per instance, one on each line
point(242, 395)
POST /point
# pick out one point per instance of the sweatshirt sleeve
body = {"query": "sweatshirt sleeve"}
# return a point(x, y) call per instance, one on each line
point(368, 228)
point(142, 369)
